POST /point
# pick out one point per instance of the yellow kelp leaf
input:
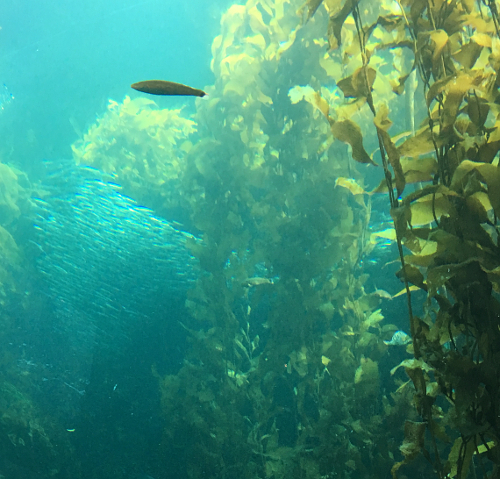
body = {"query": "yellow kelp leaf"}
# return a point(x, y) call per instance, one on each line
point(482, 39)
point(381, 188)
point(279, 9)
point(468, 54)
point(284, 46)
point(233, 11)
point(332, 6)
point(476, 203)
point(363, 79)
point(347, 110)
point(298, 93)
point(427, 208)
point(307, 93)
point(486, 447)
point(437, 276)
point(456, 92)
point(321, 104)
point(365, 339)
point(389, 233)
point(440, 39)
point(413, 275)
point(258, 40)
point(186, 146)
point(359, 84)
point(417, 177)
point(420, 144)
point(338, 15)
point(490, 175)
point(400, 388)
point(325, 361)
point(459, 180)
point(244, 135)
point(403, 291)
point(419, 170)
point(350, 184)
point(483, 198)
point(423, 251)
point(349, 132)
point(478, 109)
point(383, 88)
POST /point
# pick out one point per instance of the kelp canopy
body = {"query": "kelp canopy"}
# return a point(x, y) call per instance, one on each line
point(285, 375)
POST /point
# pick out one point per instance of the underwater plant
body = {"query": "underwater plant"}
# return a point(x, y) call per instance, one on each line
point(143, 148)
point(14, 203)
point(448, 225)
point(283, 377)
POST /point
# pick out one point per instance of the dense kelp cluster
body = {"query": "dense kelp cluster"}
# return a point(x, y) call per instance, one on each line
point(143, 147)
point(257, 396)
point(449, 224)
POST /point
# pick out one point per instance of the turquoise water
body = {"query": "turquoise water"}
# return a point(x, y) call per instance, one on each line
point(60, 63)
point(63, 60)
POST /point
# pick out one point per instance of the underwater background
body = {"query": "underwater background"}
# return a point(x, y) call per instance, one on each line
point(293, 276)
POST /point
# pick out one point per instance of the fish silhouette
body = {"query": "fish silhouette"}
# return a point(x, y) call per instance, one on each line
point(163, 87)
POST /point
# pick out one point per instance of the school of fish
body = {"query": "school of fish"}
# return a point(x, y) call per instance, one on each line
point(107, 262)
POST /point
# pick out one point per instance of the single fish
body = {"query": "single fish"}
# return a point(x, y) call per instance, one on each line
point(249, 282)
point(162, 87)
point(399, 338)
point(382, 293)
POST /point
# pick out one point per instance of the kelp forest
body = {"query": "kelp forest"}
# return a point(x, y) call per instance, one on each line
point(333, 127)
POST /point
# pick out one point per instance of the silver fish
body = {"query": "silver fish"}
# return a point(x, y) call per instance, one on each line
point(399, 338)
